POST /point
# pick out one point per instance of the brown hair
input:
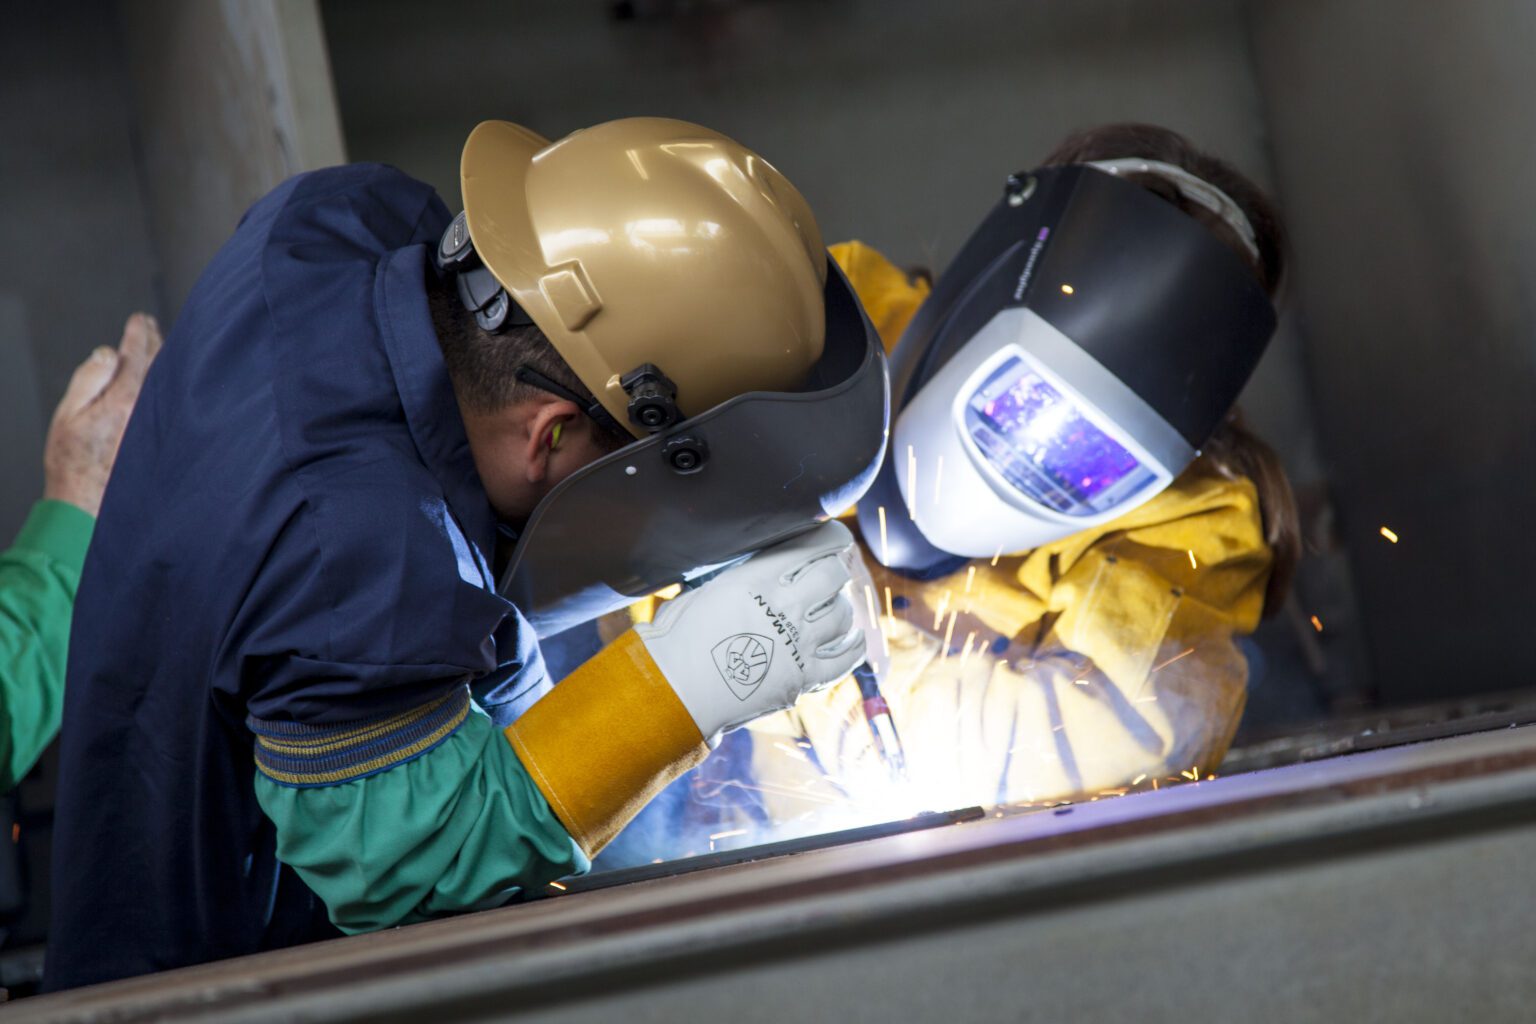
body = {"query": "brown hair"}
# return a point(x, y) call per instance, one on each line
point(482, 367)
point(1234, 450)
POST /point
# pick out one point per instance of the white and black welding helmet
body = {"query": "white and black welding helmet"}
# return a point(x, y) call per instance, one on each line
point(1084, 345)
point(683, 280)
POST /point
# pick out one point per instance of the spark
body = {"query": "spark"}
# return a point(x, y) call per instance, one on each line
point(798, 792)
point(1080, 681)
point(1146, 700)
point(1389, 535)
point(949, 631)
point(938, 616)
point(791, 751)
point(1154, 785)
point(938, 480)
point(874, 617)
point(727, 834)
point(885, 550)
point(911, 482)
point(1138, 780)
point(970, 578)
point(1317, 623)
point(890, 604)
point(1067, 289)
point(557, 885)
point(16, 832)
point(997, 554)
point(965, 652)
point(1182, 654)
point(1192, 563)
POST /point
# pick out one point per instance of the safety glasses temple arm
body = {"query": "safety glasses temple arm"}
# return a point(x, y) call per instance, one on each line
point(592, 407)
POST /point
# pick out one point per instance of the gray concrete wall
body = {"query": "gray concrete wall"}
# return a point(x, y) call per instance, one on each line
point(1404, 144)
point(897, 118)
point(231, 98)
point(75, 255)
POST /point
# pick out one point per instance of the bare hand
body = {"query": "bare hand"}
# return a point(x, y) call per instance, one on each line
point(89, 422)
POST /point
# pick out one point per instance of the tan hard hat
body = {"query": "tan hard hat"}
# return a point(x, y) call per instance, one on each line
point(649, 240)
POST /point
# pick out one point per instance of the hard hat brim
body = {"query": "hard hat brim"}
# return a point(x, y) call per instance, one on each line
point(493, 175)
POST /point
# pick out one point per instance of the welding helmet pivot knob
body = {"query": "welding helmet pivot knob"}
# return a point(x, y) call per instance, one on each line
point(652, 398)
point(454, 249)
point(685, 453)
point(1019, 188)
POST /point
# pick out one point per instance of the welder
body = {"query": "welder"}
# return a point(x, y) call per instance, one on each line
point(305, 695)
point(1072, 527)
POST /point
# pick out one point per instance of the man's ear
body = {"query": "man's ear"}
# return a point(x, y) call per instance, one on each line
point(545, 427)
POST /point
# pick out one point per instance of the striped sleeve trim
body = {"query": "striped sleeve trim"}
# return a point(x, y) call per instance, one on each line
point(294, 754)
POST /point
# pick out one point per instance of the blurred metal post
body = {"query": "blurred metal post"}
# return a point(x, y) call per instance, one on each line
point(230, 98)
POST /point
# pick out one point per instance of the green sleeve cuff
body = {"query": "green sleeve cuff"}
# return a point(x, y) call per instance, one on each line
point(39, 574)
point(59, 531)
point(461, 827)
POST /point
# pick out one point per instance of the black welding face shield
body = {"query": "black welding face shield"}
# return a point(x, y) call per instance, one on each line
point(1084, 344)
point(711, 489)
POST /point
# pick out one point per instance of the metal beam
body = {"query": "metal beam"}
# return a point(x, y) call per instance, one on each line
point(1236, 894)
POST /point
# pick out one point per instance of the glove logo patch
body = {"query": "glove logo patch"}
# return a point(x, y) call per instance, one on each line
point(743, 662)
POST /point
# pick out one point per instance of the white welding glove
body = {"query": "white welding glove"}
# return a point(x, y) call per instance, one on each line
point(754, 638)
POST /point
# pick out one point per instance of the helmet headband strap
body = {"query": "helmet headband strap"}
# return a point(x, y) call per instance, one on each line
point(1196, 190)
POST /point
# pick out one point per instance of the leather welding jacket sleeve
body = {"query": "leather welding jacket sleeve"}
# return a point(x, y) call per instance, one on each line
point(485, 812)
point(1100, 661)
point(39, 574)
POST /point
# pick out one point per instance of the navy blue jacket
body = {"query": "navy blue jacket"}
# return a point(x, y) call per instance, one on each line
point(294, 530)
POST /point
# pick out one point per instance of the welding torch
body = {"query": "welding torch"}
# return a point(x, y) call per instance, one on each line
point(882, 727)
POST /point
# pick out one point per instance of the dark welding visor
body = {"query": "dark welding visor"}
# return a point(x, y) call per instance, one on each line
point(711, 489)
